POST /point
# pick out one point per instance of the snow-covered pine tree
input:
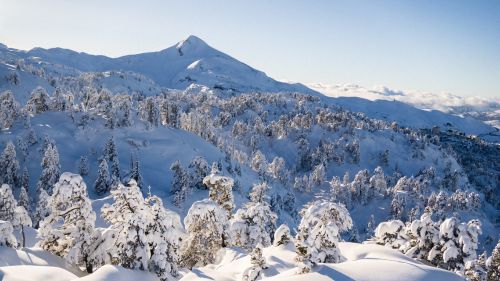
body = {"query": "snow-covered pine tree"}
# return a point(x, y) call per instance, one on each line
point(220, 191)
point(39, 101)
point(42, 208)
point(58, 102)
point(476, 270)
point(164, 234)
point(198, 171)
point(102, 183)
point(21, 220)
point(318, 174)
point(319, 233)
point(398, 205)
point(83, 165)
point(150, 112)
point(7, 203)
point(68, 230)
point(258, 264)
point(110, 153)
point(31, 137)
point(128, 217)
point(391, 234)
point(361, 188)
point(7, 237)
point(180, 183)
point(9, 109)
point(282, 235)
point(458, 244)
point(9, 166)
point(493, 264)
point(205, 224)
point(24, 198)
point(23, 147)
point(259, 163)
point(135, 172)
point(255, 223)
point(370, 227)
point(423, 234)
point(51, 169)
point(353, 234)
point(276, 169)
point(340, 192)
point(378, 182)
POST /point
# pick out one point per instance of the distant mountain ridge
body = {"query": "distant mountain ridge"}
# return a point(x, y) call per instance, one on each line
point(189, 61)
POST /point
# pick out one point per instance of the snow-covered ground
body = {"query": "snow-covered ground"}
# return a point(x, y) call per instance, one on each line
point(362, 262)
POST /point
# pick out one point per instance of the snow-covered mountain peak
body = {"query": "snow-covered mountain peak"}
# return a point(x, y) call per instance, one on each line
point(191, 44)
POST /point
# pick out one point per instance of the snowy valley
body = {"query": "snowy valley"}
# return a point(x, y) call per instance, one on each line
point(186, 164)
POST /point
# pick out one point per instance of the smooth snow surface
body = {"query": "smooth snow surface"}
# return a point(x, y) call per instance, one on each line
point(364, 262)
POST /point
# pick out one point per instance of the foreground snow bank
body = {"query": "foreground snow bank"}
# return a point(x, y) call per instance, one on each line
point(363, 262)
point(117, 273)
point(35, 273)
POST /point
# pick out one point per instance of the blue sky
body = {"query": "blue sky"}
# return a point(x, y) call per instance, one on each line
point(439, 46)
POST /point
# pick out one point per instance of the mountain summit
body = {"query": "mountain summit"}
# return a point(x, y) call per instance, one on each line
point(187, 62)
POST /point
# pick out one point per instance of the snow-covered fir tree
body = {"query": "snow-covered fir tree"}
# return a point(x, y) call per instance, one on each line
point(180, 183)
point(378, 182)
point(21, 220)
point(83, 165)
point(24, 198)
point(282, 235)
point(255, 223)
point(361, 188)
point(259, 163)
point(476, 270)
point(7, 237)
point(103, 182)
point(68, 230)
point(9, 166)
point(198, 171)
point(220, 191)
point(150, 112)
point(39, 101)
point(493, 264)
point(319, 234)
point(110, 153)
point(164, 235)
point(42, 208)
point(205, 224)
point(51, 169)
point(370, 227)
point(423, 235)
point(9, 109)
point(135, 172)
point(7, 203)
point(258, 264)
point(128, 219)
point(391, 234)
point(318, 174)
point(458, 243)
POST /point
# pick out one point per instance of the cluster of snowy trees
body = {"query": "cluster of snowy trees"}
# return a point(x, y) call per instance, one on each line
point(142, 234)
point(448, 244)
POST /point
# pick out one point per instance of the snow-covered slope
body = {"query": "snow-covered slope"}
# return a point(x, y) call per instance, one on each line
point(481, 108)
point(189, 61)
point(364, 262)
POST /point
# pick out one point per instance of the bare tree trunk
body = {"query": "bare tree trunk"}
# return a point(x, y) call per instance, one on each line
point(24, 237)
